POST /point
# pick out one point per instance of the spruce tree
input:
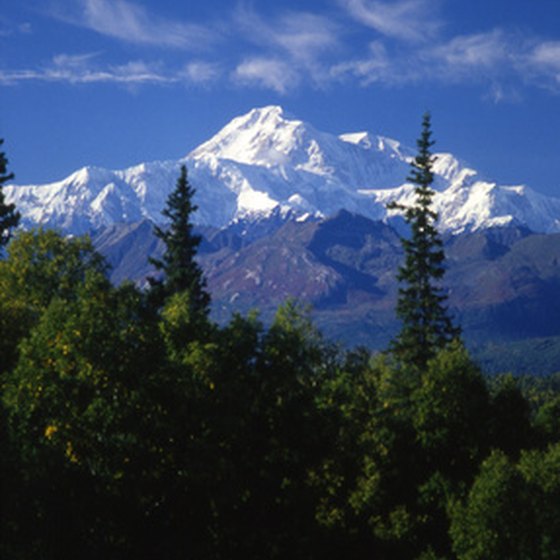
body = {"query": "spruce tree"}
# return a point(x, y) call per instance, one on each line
point(426, 325)
point(9, 218)
point(180, 270)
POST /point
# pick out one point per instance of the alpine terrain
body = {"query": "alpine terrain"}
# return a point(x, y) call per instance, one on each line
point(286, 210)
point(266, 161)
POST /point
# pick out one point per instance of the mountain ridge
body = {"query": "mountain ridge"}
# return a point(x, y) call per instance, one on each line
point(502, 282)
point(264, 162)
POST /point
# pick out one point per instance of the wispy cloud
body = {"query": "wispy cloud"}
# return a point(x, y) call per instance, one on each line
point(505, 60)
point(73, 61)
point(377, 66)
point(544, 62)
point(78, 69)
point(294, 43)
point(383, 42)
point(267, 73)
point(481, 53)
point(201, 73)
point(502, 62)
point(133, 23)
point(547, 55)
point(89, 69)
point(299, 35)
point(409, 20)
point(503, 93)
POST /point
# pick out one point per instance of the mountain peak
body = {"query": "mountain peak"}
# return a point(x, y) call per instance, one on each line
point(263, 136)
point(268, 116)
point(266, 113)
point(89, 174)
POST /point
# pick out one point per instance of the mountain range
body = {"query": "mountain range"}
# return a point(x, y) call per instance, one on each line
point(286, 210)
point(266, 161)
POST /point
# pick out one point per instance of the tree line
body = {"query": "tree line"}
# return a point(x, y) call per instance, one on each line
point(133, 426)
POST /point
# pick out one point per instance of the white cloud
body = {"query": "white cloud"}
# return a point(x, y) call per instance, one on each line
point(73, 60)
point(479, 52)
point(498, 61)
point(544, 61)
point(376, 66)
point(409, 20)
point(300, 35)
point(354, 43)
point(291, 48)
point(505, 60)
point(202, 73)
point(130, 22)
point(302, 41)
point(547, 54)
point(267, 73)
point(77, 69)
point(13, 77)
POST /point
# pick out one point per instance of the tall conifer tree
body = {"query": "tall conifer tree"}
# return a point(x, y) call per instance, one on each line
point(9, 218)
point(180, 270)
point(426, 325)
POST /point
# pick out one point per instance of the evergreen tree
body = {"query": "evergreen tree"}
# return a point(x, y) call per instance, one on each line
point(426, 326)
point(9, 218)
point(180, 270)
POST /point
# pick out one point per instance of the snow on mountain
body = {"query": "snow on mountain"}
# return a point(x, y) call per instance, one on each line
point(266, 161)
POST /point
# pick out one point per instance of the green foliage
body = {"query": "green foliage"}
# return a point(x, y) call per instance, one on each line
point(426, 325)
point(9, 218)
point(274, 435)
point(407, 444)
point(493, 524)
point(180, 270)
point(182, 327)
point(512, 509)
point(76, 377)
point(451, 410)
point(346, 398)
point(80, 407)
point(547, 420)
point(41, 265)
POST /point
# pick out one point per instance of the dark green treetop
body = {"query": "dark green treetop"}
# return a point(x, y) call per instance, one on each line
point(9, 218)
point(180, 270)
point(426, 325)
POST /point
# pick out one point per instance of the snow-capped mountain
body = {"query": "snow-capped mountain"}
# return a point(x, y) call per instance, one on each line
point(266, 161)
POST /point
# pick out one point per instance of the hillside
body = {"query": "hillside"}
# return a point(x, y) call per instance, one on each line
point(502, 282)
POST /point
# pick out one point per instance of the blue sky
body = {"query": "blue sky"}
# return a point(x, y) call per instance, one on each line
point(116, 82)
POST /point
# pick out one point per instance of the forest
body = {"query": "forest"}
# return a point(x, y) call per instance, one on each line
point(133, 426)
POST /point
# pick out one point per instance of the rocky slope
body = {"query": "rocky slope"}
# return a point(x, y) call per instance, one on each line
point(503, 283)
